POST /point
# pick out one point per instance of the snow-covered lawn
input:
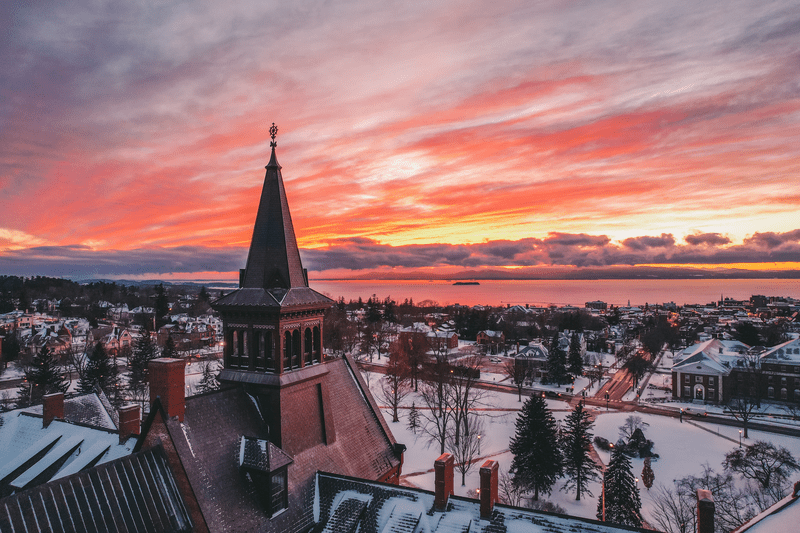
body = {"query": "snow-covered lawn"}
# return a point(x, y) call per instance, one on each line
point(683, 447)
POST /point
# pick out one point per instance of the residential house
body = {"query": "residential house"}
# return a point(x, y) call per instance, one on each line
point(494, 341)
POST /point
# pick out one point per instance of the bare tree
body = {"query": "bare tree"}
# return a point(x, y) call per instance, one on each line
point(436, 414)
point(462, 394)
point(763, 462)
point(510, 492)
point(518, 372)
point(632, 423)
point(464, 442)
point(395, 384)
point(437, 342)
point(674, 511)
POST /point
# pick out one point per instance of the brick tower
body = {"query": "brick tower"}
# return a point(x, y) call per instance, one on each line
point(273, 322)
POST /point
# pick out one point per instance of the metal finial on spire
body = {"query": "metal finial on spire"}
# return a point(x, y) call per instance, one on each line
point(273, 131)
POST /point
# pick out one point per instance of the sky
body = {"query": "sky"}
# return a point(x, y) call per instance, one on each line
point(436, 136)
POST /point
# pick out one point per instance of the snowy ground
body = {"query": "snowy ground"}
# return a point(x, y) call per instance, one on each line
point(683, 447)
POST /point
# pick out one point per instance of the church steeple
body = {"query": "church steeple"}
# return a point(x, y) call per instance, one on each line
point(273, 322)
point(274, 259)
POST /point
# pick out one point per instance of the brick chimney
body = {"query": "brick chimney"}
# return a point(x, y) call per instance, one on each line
point(705, 511)
point(167, 382)
point(489, 472)
point(129, 417)
point(443, 484)
point(52, 407)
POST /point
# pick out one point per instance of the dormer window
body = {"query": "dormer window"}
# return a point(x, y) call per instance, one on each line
point(267, 467)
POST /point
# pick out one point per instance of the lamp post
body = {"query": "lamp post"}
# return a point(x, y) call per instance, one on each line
point(479, 444)
point(740, 438)
point(681, 415)
point(606, 401)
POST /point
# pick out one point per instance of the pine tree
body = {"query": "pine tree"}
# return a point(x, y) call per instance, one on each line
point(556, 363)
point(648, 476)
point(537, 462)
point(413, 418)
point(576, 443)
point(620, 495)
point(161, 306)
point(43, 377)
point(99, 372)
point(169, 349)
point(209, 380)
point(144, 351)
point(575, 359)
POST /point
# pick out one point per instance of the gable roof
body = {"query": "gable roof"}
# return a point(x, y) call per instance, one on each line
point(348, 504)
point(31, 454)
point(135, 493)
point(209, 445)
point(787, 352)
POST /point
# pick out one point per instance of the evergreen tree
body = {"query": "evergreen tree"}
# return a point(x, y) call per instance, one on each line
point(620, 495)
point(169, 349)
point(99, 372)
point(575, 359)
point(648, 476)
point(537, 462)
point(162, 306)
point(144, 351)
point(576, 442)
point(11, 348)
point(413, 418)
point(203, 296)
point(209, 380)
point(43, 377)
point(556, 363)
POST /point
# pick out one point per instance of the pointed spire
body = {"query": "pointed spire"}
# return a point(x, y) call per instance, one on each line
point(274, 258)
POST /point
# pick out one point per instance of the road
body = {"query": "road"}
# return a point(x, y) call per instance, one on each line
point(621, 382)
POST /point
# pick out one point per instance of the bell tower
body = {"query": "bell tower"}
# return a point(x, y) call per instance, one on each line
point(273, 322)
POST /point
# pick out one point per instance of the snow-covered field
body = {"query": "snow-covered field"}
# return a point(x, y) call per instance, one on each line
point(683, 447)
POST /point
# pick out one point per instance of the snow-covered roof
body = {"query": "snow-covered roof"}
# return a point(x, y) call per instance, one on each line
point(782, 516)
point(346, 504)
point(46, 453)
point(788, 352)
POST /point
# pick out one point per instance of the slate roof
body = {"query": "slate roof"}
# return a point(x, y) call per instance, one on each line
point(350, 505)
point(133, 494)
point(277, 298)
point(788, 352)
point(262, 455)
point(208, 443)
point(274, 258)
point(31, 454)
point(91, 409)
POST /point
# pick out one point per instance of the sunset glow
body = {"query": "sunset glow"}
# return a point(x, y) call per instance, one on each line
point(430, 137)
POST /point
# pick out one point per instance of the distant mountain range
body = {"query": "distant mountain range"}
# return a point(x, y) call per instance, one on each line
point(536, 273)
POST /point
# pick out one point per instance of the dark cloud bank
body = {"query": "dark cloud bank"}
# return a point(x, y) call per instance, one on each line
point(558, 256)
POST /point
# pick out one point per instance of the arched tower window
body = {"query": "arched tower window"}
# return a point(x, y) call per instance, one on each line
point(308, 343)
point(296, 349)
point(287, 350)
point(317, 349)
point(257, 353)
point(269, 351)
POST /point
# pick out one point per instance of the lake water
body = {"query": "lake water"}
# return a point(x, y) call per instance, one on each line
point(561, 292)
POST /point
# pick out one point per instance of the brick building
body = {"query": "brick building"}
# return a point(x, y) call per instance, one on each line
point(246, 455)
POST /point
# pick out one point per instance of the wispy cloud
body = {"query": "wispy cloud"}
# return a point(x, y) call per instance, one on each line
point(424, 133)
